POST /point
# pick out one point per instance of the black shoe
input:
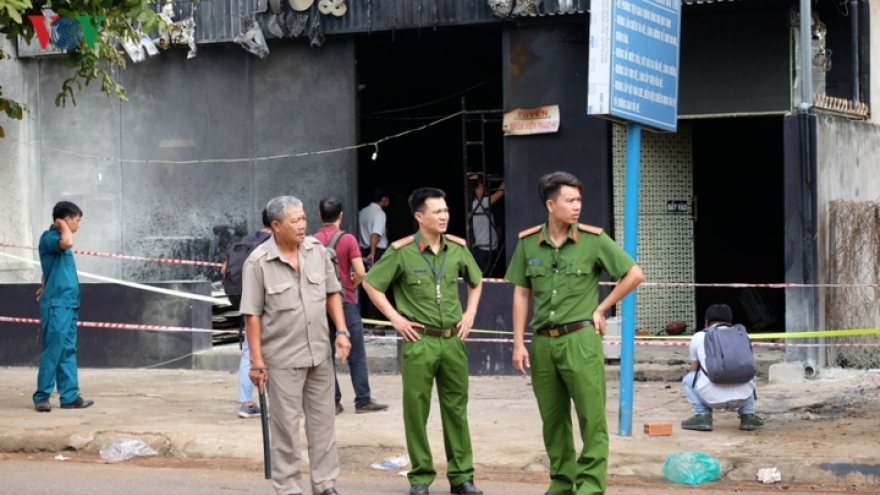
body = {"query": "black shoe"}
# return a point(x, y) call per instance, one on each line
point(418, 490)
point(330, 491)
point(43, 406)
point(339, 408)
point(371, 406)
point(79, 403)
point(466, 488)
point(750, 422)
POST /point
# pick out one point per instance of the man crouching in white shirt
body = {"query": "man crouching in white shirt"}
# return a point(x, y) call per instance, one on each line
point(705, 395)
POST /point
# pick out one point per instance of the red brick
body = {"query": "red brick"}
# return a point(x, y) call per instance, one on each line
point(658, 429)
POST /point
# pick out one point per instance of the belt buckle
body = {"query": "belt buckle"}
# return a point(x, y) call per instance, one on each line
point(554, 332)
point(446, 333)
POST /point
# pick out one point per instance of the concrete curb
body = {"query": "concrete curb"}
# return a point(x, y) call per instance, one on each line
point(793, 470)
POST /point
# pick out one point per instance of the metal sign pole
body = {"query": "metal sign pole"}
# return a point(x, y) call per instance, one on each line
point(630, 245)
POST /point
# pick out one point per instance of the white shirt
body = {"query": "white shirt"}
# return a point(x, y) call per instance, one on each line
point(485, 236)
point(715, 393)
point(371, 220)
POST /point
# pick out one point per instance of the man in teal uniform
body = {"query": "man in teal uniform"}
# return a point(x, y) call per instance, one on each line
point(424, 270)
point(559, 263)
point(59, 309)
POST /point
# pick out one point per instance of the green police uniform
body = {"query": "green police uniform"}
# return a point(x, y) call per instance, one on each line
point(426, 292)
point(569, 366)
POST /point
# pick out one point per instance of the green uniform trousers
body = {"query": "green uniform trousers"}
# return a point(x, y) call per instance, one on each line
point(443, 359)
point(565, 369)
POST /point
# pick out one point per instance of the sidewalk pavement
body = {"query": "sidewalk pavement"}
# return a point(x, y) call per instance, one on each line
point(823, 431)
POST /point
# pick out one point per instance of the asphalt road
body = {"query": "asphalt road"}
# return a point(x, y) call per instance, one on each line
point(41, 474)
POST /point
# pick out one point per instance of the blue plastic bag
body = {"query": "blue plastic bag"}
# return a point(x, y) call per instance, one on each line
point(691, 468)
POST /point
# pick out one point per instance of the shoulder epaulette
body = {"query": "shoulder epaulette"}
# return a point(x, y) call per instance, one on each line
point(589, 228)
point(456, 239)
point(530, 231)
point(402, 242)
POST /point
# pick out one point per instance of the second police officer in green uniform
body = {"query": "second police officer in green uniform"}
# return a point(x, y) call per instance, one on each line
point(559, 264)
point(424, 269)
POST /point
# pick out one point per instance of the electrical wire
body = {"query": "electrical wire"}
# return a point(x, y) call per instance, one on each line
point(420, 105)
point(374, 144)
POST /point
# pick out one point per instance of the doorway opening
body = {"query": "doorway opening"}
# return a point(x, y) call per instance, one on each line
point(411, 79)
point(739, 217)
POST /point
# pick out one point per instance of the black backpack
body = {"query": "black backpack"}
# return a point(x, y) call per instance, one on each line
point(235, 258)
point(331, 248)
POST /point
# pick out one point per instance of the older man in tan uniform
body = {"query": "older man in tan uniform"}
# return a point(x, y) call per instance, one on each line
point(289, 286)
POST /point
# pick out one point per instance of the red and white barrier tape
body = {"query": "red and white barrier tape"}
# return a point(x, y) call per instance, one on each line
point(669, 343)
point(116, 326)
point(650, 343)
point(746, 286)
point(727, 285)
point(734, 285)
point(171, 261)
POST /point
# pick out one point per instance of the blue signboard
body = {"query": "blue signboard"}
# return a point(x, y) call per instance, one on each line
point(634, 59)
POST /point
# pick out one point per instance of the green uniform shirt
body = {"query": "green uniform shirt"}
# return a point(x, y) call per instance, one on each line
point(407, 266)
point(564, 280)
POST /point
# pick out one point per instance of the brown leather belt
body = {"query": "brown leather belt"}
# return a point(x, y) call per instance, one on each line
point(564, 329)
point(436, 332)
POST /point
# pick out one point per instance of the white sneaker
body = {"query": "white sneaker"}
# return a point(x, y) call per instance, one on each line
point(252, 411)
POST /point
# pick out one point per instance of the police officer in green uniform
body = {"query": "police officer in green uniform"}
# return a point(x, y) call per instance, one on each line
point(424, 269)
point(59, 311)
point(559, 263)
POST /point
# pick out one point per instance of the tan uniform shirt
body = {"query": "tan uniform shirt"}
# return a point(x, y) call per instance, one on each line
point(291, 304)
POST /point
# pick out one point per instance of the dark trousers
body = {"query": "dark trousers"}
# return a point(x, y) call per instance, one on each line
point(483, 257)
point(368, 310)
point(357, 357)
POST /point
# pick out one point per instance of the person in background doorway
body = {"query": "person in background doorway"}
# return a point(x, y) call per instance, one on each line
point(372, 236)
point(351, 274)
point(59, 297)
point(558, 264)
point(373, 240)
point(483, 221)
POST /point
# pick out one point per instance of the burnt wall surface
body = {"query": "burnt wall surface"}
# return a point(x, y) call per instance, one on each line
point(546, 64)
point(223, 104)
point(20, 344)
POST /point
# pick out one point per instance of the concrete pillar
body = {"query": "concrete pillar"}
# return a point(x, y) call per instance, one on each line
point(14, 177)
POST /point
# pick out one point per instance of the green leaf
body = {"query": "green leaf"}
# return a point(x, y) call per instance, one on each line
point(13, 13)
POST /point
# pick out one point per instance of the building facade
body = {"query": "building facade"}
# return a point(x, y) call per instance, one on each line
point(186, 164)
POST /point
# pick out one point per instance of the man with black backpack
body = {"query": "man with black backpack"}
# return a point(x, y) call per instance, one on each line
point(722, 372)
point(231, 271)
point(344, 253)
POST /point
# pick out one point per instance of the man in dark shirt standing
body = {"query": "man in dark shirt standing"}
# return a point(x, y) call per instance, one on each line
point(59, 312)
